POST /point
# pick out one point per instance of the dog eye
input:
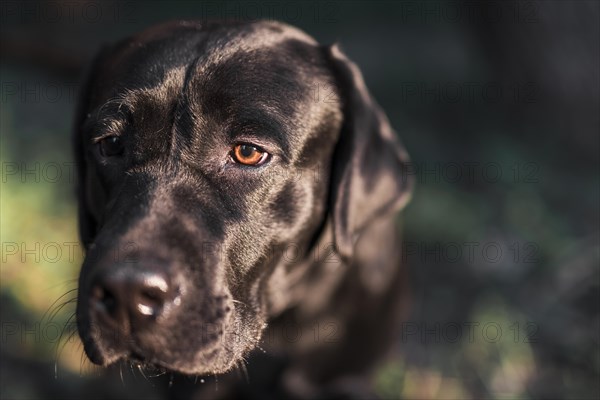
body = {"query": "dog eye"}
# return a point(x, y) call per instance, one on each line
point(248, 154)
point(111, 146)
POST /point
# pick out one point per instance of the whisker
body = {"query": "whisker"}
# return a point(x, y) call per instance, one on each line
point(64, 283)
point(238, 371)
point(81, 361)
point(160, 372)
point(56, 301)
point(121, 373)
point(242, 367)
point(89, 368)
point(65, 326)
point(142, 372)
point(242, 303)
point(59, 348)
point(132, 371)
point(59, 308)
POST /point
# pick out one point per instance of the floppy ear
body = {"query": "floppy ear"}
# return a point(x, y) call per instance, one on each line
point(369, 172)
point(87, 184)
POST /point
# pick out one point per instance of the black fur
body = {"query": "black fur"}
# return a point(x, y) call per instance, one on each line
point(218, 251)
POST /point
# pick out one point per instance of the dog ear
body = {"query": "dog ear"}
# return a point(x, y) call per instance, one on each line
point(370, 167)
point(86, 183)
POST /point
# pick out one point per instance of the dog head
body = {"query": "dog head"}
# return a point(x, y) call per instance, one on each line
point(202, 149)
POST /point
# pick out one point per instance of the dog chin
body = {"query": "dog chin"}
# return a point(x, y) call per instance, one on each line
point(217, 360)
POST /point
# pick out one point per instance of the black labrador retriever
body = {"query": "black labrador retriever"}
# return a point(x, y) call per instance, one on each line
point(237, 188)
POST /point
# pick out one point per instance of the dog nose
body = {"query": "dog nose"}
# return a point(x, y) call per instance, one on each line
point(132, 299)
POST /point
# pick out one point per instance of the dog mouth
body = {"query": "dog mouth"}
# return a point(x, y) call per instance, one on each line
point(157, 353)
point(148, 367)
point(213, 359)
point(135, 360)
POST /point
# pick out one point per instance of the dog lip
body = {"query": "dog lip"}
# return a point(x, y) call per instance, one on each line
point(101, 357)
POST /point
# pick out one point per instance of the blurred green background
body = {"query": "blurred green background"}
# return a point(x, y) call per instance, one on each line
point(497, 103)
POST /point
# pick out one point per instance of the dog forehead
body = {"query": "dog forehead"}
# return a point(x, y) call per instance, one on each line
point(234, 60)
point(142, 60)
point(275, 81)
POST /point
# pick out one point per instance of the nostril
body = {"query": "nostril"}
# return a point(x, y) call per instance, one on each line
point(154, 296)
point(104, 298)
point(151, 301)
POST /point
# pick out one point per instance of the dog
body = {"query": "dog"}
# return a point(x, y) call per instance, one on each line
point(237, 188)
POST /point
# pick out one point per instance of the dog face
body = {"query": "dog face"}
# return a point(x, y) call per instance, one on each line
point(202, 150)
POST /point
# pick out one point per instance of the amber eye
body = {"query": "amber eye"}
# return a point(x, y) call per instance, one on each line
point(248, 154)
